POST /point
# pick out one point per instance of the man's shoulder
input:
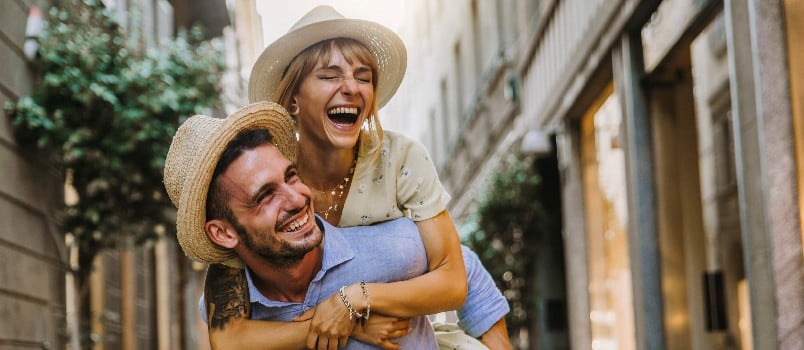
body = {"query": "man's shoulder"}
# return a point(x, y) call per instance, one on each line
point(392, 249)
point(399, 234)
point(403, 226)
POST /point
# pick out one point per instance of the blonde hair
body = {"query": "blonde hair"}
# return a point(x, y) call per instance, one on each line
point(320, 53)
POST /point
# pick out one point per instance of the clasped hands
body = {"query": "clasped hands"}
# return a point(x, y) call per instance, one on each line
point(331, 324)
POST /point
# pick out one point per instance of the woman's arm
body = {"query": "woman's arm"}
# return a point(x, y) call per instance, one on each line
point(442, 288)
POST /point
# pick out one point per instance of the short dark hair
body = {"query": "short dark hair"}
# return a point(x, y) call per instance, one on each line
point(217, 197)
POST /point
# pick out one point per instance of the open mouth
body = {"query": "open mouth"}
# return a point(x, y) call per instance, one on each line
point(295, 225)
point(346, 116)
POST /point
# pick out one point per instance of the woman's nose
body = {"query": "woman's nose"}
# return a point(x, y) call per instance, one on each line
point(348, 85)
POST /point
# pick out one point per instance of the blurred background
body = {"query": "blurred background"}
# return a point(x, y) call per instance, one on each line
point(627, 170)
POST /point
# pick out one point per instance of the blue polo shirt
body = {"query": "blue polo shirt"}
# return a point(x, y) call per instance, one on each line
point(386, 252)
point(485, 304)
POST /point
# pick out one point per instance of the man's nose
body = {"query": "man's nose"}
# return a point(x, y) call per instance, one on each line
point(293, 198)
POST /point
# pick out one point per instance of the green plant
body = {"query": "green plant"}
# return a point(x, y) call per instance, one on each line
point(105, 110)
point(505, 230)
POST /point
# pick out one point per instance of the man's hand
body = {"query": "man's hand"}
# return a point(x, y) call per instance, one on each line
point(380, 330)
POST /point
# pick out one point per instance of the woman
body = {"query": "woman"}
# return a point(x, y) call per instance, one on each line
point(332, 74)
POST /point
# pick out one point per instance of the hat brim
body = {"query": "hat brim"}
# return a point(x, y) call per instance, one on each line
point(191, 215)
point(386, 46)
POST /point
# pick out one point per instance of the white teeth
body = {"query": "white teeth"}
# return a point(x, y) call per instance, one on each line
point(298, 223)
point(343, 110)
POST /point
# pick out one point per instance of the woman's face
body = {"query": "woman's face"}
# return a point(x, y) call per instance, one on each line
point(334, 101)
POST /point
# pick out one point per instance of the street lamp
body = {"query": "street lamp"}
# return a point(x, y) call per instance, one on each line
point(536, 142)
point(32, 30)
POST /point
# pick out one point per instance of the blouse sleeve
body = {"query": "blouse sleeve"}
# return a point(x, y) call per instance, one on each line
point(400, 181)
point(418, 188)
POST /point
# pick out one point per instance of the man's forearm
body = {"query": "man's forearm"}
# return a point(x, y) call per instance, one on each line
point(496, 338)
point(228, 316)
point(257, 334)
point(226, 296)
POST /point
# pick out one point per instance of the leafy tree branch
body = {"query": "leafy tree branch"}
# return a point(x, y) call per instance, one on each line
point(505, 231)
point(105, 111)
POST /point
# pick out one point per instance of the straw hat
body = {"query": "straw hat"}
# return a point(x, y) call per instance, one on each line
point(320, 24)
point(192, 157)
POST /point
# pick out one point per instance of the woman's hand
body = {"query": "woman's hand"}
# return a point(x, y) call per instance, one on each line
point(330, 325)
point(379, 330)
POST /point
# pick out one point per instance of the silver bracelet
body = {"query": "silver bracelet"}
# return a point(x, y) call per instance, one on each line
point(352, 312)
point(368, 301)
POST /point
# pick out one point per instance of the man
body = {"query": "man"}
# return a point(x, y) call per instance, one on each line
point(252, 207)
point(240, 201)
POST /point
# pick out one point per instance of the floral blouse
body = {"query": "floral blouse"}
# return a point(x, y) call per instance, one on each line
point(402, 181)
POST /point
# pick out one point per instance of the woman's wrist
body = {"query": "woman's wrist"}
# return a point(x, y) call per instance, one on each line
point(357, 297)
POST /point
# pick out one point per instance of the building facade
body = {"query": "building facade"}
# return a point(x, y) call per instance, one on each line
point(33, 309)
point(677, 133)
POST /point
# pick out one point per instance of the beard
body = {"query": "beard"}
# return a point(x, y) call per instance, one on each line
point(279, 252)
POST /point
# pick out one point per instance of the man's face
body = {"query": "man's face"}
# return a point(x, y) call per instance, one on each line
point(272, 206)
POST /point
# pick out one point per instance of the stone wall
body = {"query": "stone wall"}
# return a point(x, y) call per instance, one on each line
point(32, 253)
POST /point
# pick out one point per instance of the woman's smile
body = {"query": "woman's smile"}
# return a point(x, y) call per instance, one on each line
point(344, 116)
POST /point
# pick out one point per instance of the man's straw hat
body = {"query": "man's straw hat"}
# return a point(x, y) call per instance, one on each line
point(193, 156)
point(320, 24)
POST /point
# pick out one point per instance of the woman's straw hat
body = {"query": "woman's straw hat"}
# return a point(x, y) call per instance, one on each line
point(193, 156)
point(320, 24)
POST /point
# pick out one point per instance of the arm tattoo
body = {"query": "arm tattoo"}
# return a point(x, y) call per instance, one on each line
point(226, 295)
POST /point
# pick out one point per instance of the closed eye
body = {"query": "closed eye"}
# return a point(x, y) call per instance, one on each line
point(364, 74)
point(262, 194)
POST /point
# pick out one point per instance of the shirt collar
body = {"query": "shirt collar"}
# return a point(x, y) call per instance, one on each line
point(337, 249)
